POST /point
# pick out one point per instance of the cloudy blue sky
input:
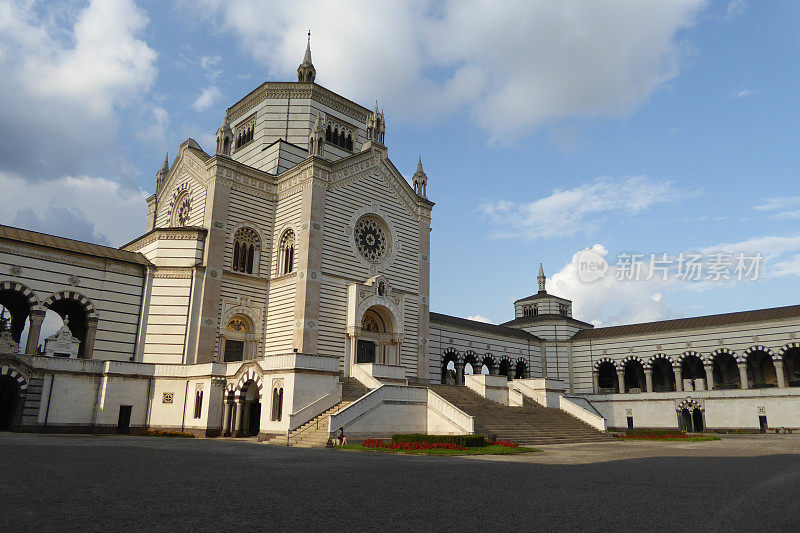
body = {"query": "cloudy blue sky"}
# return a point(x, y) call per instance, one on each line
point(545, 128)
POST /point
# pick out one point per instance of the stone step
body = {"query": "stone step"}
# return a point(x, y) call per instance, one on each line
point(530, 423)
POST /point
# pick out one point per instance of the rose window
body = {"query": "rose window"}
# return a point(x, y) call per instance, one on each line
point(372, 238)
point(182, 215)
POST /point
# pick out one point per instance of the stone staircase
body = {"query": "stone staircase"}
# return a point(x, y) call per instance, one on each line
point(314, 433)
point(530, 424)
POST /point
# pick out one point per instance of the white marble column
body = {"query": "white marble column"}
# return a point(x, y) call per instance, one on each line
point(36, 318)
point(237, 428)
point(621, 380)
point(743, 375)
point(226, 417)
point(779, 373)
point(709, 376)
point(678, 378)
point(648, 378)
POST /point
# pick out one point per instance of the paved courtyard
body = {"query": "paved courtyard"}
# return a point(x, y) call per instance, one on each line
point(136, 483)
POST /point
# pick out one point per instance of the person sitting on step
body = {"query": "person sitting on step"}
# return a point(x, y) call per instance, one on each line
point(341, 438)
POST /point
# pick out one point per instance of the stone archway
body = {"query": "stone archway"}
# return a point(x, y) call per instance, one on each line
point(13, 389)
point(23, 309)
point(450, 359)
point(242, 407)
point(81, 318)
point(691, 417)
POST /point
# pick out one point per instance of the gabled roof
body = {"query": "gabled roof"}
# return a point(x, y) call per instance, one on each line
point(70, 245)
point(545, 318)
point(448, 320)
point(706, 321)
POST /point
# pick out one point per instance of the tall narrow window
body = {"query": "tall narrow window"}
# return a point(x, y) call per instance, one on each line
point(246, 250)
point(198, 403)
point(286, 260)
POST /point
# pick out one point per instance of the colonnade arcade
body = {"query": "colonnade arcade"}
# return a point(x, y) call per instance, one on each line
point(22, 310)
point(455, 365)
point(754, 368)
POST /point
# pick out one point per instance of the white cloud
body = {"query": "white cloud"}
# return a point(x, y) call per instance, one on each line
point(156, 133)
point(211, 66)
point(735, 8)
point(62, 84)
point(744, 93)
point(609, 301)
point(566, 212)
point(513, 67)
point(784, 207)
point(85, 208)
point(479, 318)
point(208, 97)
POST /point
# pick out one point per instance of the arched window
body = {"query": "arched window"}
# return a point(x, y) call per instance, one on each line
point(246, 251)
point(607, 381)
point(520, 370)
point(328, 134)
point(277, 402)
point(245, 135)
point(349, 144)
point(286, 251)
point(239, 340)
point(634, 376)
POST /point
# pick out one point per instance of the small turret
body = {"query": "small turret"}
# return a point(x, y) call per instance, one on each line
point(376, 126)
point(306, 73)
point(316, 138)
point(420, 180)
point(224, 137)
point(541, 279)
point(161, 175)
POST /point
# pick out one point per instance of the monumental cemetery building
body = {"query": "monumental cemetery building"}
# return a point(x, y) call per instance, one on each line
point(282, 290)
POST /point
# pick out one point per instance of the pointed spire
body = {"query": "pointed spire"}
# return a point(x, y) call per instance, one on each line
point(165, 166)
point(307, 57)
point(420, 180)
point(306, 73)
point(541, 278)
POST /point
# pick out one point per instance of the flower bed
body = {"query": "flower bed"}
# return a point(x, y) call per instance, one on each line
point(506, 443)
point(376, 443)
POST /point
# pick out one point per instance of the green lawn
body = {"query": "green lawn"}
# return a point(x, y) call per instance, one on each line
point(481, 450)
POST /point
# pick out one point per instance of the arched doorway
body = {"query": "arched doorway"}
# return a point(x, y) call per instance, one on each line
point(250, 396)
point(634, 376)
point(9, 402)
point(239, 340)
point(692, 369)
point(375, 340)
point(449, 372)
point(504, 367)
point(607, 382)
point(80, 315)
point(520, 369)
point(487, 364)
point(725, 371)
point(663, 375)
point(760, 370)
point(690, 416)
point(791, 366)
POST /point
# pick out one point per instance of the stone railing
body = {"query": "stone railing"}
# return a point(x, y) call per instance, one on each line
point(297, 360)
point(452, 413)
point(544, 391)
point(361, 374)
point(583, 410)
point(316, 407)
point(372, 400)
point(387, 372)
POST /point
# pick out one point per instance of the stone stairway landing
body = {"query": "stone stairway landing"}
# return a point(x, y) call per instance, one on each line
point(530, 424)
point(314, 433)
